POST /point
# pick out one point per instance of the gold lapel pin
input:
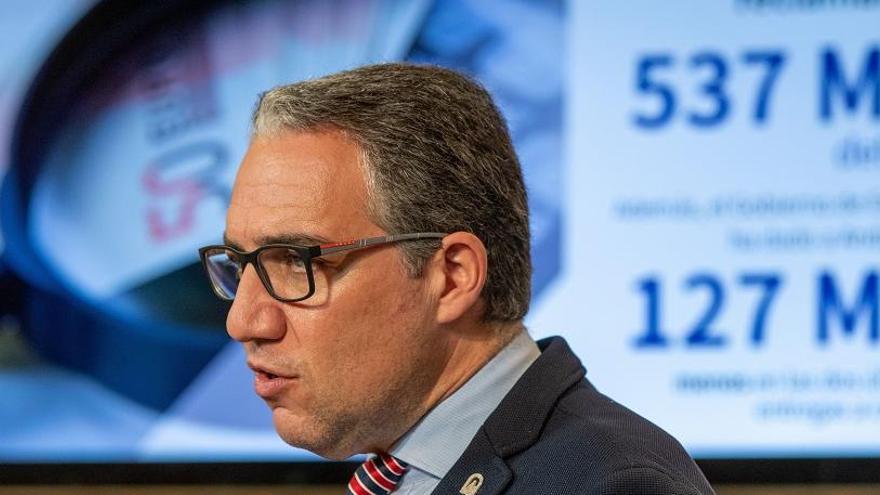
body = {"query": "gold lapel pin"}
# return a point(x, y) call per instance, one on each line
point(473, 483)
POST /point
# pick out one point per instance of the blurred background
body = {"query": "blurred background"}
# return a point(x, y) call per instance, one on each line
point(704, 185)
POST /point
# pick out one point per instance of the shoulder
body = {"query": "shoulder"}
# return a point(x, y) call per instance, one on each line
point(589, 440)
point(555, 433)
point(646, 480)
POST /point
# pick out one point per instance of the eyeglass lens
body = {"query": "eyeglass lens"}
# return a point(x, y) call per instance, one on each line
point(224, 272)
point(286, 272)
point(284, 268)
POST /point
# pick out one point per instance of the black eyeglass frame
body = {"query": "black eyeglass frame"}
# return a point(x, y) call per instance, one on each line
point(306, 253)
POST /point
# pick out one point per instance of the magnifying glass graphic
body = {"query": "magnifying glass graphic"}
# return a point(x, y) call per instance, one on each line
point(126, 146)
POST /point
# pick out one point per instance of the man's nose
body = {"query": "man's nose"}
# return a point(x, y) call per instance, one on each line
point(255, 314)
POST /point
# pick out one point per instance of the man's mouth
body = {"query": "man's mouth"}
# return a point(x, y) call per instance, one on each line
point(269, 383)
point(269, 375)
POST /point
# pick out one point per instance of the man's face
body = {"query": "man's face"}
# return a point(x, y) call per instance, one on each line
point(349, 369)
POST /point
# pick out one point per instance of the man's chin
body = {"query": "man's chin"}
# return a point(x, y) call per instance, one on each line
point(308, 434)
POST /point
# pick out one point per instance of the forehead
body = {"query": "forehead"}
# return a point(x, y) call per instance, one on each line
point(299, 183)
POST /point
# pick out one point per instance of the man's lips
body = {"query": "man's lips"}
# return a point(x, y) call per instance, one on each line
point(269, 382)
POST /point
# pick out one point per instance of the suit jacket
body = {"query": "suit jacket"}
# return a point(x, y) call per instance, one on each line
point(554, 433)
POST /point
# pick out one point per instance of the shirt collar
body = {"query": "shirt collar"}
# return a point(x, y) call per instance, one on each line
point(436, 442)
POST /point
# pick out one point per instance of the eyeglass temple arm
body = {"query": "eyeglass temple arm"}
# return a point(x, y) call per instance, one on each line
point(338, 247)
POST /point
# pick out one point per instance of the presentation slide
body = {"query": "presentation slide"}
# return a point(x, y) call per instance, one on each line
point(704, 187)
point(722, 220)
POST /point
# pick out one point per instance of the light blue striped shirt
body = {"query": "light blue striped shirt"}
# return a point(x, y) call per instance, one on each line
point(436, 442)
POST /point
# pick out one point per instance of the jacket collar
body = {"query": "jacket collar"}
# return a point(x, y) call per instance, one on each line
point(516, 423)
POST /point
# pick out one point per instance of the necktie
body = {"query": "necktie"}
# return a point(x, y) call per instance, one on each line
point(377, 476)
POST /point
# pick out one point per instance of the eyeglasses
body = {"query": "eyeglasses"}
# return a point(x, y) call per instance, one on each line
point(285, 269)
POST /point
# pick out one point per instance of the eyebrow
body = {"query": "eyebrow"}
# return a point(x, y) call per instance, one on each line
point(298, 239)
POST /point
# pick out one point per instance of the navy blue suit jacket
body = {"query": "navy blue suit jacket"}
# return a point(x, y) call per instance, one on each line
point(554, 433)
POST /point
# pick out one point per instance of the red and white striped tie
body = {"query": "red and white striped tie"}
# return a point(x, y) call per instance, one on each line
point(379, 475)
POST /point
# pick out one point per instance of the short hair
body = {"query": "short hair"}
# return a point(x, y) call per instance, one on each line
point(437, 157)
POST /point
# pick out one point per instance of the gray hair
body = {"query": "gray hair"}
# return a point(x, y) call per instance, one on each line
point(437, 157)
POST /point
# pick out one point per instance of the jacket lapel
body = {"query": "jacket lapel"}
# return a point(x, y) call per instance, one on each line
point(515, 424)
point(479, 471)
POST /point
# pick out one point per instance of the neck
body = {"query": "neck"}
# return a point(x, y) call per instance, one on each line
point(468, 356)
point(467, 351)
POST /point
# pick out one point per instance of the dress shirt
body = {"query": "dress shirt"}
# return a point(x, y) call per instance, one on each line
point(436, 442)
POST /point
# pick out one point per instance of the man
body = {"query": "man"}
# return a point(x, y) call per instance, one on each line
point(377, 255)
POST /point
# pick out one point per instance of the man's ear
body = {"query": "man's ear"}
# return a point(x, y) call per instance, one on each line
point(461, 263)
